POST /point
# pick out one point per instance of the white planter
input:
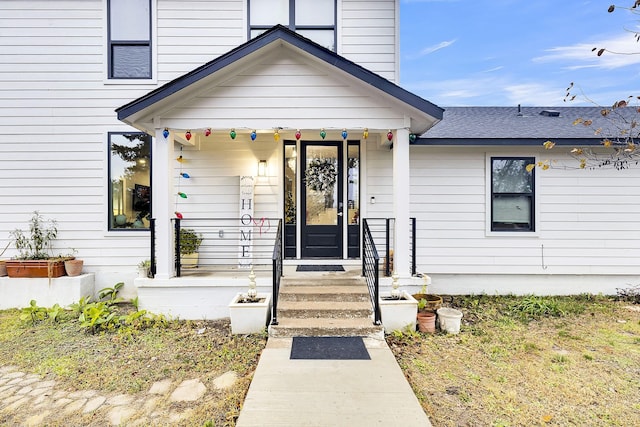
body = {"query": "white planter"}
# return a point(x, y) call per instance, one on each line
point(449, 320)
point(251, 317)
point(400, 314)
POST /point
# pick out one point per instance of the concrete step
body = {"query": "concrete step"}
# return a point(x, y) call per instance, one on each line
point(329, 309)
point(323, 281)
point(324, 293)
point(293, 327)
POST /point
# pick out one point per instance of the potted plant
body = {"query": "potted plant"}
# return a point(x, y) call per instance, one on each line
point(72, 265)
point(143, 268)
point(398, 309)
point(432, 301)
point(35, 258)
point(250, 312)
point(190, 242)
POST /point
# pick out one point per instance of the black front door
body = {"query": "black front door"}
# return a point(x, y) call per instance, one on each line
point(322, 204)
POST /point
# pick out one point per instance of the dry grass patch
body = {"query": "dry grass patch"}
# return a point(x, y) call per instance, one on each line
point(515, 363)
point(129, 361)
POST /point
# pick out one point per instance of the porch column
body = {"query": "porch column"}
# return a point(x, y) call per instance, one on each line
point(401, 190)
point(162, 191)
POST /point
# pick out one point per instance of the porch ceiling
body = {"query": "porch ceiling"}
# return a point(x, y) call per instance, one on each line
point(280, 80)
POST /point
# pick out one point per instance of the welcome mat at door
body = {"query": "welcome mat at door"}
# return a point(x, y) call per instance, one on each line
point(320, 268)
point(329, 348)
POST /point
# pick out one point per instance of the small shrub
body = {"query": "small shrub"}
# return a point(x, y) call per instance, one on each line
point(33, 313)
point(534, 307)
point(630, 294)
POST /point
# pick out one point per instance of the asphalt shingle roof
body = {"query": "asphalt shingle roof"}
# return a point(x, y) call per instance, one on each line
point(511, 125)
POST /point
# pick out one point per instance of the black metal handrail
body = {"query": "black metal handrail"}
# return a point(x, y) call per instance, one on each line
point(152, 256)
point(277, 273)
point(370, 270)
point(382, 231)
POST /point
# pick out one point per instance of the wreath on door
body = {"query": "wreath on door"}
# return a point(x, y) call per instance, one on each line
point(321, 174)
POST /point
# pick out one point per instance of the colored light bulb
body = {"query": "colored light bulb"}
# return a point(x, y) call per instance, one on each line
point(412, 137)
point(365, 134)
point(180, 159)
point(184, 175)
point(298, 134)
point(232, 134)
point(181, 194)
point(254, 135)
point(178, 215)
point(188, 135)
point(344, 134)
point(276, 135)
point(323, 134)
point(389, 135)
point(165, 133)
point(207, 132)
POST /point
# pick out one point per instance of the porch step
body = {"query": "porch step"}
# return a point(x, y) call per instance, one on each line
point(317, 309)
point(324, 305)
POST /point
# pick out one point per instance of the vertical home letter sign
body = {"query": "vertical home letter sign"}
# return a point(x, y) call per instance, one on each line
point(245, 253)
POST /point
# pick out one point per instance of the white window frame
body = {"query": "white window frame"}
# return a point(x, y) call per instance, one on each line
point(154, 50)
point(489, 201)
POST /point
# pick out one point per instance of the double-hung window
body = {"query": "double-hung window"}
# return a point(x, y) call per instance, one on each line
point(129, 180)
point(314, 19)
point(129, 39)
point(512, 194)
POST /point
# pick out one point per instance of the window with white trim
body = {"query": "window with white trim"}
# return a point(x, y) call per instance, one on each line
point(512, 194)
point(313, 19)
point(129, 180)
point(129, 39)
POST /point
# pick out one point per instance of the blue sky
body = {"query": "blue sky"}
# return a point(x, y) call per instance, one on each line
point(509, 52)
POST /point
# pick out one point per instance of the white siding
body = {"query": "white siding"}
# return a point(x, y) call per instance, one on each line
point(369, 35)
point(585, 217)
point(284, 89)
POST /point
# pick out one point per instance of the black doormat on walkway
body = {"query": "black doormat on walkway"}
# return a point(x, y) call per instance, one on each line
point(329, 348)
point(320, 268)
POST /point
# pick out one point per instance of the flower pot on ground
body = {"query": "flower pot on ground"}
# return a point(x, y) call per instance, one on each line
point(73, 267)
point(249, 316)
point(427, 321)
point(449, 320)
point(190, 242)
point(398, 314)
point(428, 302)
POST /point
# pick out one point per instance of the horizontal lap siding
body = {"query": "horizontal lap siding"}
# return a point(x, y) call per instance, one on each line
point(56, 111)
point(281, 90)
point(369, 31)
point(585, 218)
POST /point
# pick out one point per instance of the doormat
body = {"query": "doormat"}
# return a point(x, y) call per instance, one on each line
point(320, 268)
point(329, 348)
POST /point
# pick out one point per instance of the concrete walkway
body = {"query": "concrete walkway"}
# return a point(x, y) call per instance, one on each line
point(317, 393)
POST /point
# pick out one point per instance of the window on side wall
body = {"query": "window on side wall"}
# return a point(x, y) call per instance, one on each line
point(129, 39)
point(512, 194)
point(314, 19)
point(129, 181)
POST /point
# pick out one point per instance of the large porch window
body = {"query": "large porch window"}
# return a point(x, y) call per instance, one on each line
point(129, 181)
point(314, 19)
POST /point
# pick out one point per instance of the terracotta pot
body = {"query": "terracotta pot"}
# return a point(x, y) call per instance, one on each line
point(73, 267)
point(35, 268)
point(427, 322)
point(3, 268)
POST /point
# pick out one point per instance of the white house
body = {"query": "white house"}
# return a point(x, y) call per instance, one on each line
point(232, 117)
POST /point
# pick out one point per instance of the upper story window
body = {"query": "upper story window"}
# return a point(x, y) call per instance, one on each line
point(314, 19)
point(129, 39)
point(129, 180)
point(512, 194)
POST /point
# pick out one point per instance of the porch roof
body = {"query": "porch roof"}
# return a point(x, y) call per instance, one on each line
point(421, 114)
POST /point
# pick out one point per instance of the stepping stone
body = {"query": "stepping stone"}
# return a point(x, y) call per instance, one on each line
point(120, 414)
point(188, 391)
point(121, 399)
point(94, 404)
point(160, 387)
point(225, 381)
point(74, 406)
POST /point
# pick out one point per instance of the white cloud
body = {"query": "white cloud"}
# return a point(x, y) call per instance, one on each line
point(577, 56)
point(431, 49)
